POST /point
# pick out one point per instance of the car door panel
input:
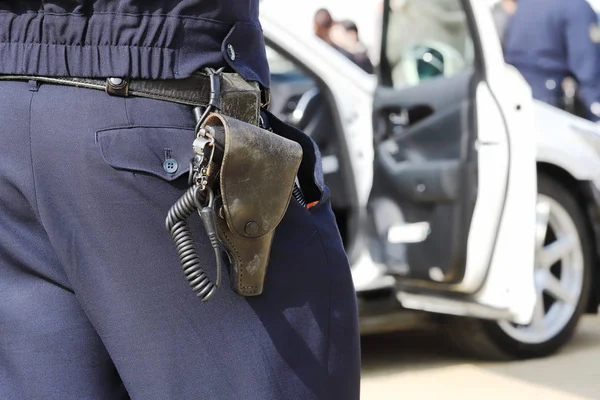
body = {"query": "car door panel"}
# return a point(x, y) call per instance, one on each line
point(423, 166)
point(436, 92)
point(445, 194)
point(422, 182)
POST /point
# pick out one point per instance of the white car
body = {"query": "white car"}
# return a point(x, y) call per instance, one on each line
point(455, 193)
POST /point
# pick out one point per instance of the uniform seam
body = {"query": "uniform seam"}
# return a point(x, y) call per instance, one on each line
point(318, 232)
point(140, 126)
point(36, 206)
point(127, 112)
point(35, 196)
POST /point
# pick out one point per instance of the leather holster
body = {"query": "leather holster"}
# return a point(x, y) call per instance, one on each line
point(253, 177)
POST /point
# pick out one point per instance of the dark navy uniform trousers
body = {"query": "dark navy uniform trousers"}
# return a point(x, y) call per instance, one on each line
point(93, 302)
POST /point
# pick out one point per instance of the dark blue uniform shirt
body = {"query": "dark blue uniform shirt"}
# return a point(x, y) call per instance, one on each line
point(153, 39)
point(549, 40)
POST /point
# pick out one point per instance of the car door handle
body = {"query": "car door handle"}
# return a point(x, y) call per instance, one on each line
point(405, 116)
point(398, 121)
point(399, 118)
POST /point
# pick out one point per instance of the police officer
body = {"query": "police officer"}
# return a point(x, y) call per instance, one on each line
point(502, 12)
point(93, 304)
point(550, 40)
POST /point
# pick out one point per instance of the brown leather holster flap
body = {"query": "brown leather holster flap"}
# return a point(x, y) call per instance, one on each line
point(257, 178)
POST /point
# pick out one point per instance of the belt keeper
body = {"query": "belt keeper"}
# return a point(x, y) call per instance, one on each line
point(215, 90)
point(117, 87)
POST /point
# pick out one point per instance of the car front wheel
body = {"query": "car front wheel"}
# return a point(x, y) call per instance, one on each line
point(563, 264)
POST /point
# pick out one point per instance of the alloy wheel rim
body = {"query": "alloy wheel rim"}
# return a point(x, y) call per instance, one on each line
point(559, 271)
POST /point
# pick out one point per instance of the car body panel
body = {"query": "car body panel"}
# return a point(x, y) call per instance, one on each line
point(568, 142)
point(507, 284)
point(510, 280)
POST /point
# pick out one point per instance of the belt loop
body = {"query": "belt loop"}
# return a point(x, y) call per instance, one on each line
point(34, 85)
point(117, 87)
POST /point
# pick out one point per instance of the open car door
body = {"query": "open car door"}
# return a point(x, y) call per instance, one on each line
point(452, 209)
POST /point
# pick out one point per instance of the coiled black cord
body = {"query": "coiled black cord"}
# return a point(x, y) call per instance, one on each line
point(298, 195)
point(176, 224)
point(192, 201)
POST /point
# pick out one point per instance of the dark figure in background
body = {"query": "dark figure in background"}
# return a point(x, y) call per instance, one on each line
point(356, 47)
point(550, 40)
point(323, 24)
point(93, 301)
point(502, 13)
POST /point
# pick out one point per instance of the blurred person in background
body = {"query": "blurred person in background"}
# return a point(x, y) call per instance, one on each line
point(323, 26)
point(502, 13)
point(551, 40)
point(352, 44)
point(323, 22)
point(336, 35)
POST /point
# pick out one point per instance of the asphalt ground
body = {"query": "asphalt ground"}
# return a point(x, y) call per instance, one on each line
point(419, 364)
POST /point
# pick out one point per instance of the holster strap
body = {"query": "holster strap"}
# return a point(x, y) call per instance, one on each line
point(257, 177)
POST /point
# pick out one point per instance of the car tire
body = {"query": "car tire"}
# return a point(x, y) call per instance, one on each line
point(502, 340)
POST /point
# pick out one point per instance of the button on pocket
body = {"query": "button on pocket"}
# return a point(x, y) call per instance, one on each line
point(142, 149)
point(171, 165)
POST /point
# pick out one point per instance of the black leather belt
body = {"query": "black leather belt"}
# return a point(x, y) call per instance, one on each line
point(193, 91)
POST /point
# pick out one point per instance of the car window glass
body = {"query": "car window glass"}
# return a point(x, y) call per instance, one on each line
point(291, 87)
point(279, 64)
point(427, 39)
